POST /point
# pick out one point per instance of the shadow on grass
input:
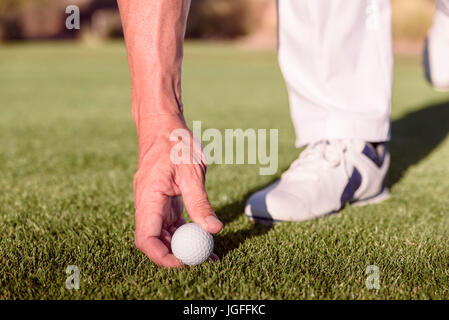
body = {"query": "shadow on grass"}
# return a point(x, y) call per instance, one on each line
point(414, 137)
point(230, 212)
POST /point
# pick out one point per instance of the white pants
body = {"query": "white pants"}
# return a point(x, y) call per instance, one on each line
point(437, 51)
point(336, 58)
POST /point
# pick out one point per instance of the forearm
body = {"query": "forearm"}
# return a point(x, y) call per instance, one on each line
point(154, 35)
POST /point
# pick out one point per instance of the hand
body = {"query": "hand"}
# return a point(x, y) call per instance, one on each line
point(158, 183)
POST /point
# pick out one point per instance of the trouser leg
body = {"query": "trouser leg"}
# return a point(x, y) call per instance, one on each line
point(436, 55)
point(336, 58)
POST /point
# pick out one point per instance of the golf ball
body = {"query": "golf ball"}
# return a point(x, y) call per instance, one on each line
point(191, 244)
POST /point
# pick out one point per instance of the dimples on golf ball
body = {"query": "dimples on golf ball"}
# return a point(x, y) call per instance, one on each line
point(192, 244)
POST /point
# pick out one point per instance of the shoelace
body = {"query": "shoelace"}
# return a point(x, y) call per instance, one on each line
point(318, 155)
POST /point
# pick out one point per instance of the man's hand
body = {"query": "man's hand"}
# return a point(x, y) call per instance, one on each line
point(154, 36)
point(158, 184)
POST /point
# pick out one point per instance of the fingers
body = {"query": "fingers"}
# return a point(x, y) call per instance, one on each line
point(176, 206)
point(150, 238)
point(158, 252)
point(153, 239)
point(166, 239)
point(171, 230)
point(199, 207)
point(214, 258)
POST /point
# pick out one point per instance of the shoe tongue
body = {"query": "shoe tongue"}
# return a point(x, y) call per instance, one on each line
point(354, 144)
point(357, 145)
point(320, 144)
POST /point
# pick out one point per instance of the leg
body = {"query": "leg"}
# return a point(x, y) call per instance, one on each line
point(337, 62)
point(436, 52)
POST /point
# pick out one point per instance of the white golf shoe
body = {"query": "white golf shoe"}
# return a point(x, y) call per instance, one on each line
point(436, 50)
point(326, 176)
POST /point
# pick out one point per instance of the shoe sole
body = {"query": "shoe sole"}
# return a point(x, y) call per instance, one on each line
point(380, 197)
point(264, 222)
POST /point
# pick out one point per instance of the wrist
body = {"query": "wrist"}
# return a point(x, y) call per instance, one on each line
point(157, 97)
point(152, 127)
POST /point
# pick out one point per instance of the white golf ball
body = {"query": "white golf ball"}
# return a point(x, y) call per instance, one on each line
point(191, 244)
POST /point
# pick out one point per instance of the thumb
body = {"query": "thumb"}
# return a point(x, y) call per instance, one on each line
point(198, 206)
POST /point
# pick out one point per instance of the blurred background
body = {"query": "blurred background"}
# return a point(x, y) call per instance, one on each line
point(251, 21)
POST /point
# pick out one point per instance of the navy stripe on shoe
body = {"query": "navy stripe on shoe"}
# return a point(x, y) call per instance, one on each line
point(426, 62)
point(372, 154)
point(353, 184)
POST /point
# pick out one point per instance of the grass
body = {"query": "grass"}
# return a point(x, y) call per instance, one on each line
point(68, 154)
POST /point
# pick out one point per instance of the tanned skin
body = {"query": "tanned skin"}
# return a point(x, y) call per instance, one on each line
point(154, 37)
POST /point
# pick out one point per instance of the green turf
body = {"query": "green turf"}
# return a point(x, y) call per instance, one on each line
point(68, 153)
